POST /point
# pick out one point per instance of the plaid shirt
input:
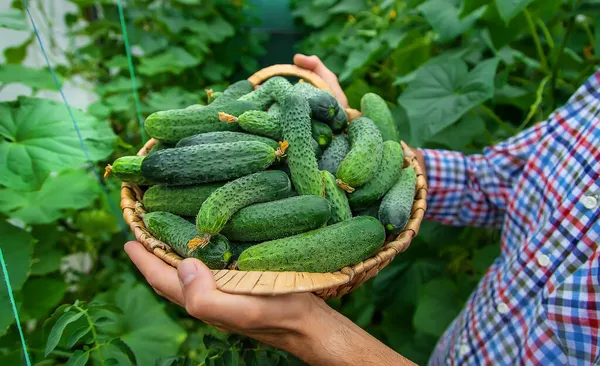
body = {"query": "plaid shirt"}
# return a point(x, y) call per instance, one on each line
point(539, 302)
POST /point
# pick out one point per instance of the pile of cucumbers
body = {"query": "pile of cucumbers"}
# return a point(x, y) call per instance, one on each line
point(273, 179)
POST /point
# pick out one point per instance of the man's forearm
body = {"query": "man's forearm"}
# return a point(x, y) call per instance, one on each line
point(329, 338)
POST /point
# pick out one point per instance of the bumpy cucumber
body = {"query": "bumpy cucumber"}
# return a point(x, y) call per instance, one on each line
point(339, 122)
point(316, 148)
point(259, 123)
point(321, 133)
point(208, 163)
point(180, 200)
point(323, 106)
point(301, 156)
point(306, 90)
point(277, 219)
point(334, 154)
point(177, 232)
point(375, 108)
point(387, 174)
point(234, 91)
point(340, 208)
point(278, 86)
point(396, 205)
point(366, 150)
point(127, 169)
point(173, 125)
point(272, 90)
point(260, 97)
point(238, 248)
point(224, 136)
point(322, 250)
point(275, 110)
point(235, 195)
point(211, 95)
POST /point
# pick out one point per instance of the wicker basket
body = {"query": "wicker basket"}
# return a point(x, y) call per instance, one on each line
point(325, 285)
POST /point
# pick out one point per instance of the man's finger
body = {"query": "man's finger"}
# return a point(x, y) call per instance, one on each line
point(314, 64)
point(159, 274)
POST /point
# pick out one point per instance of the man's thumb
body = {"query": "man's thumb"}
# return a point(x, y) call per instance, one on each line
point(195, 274)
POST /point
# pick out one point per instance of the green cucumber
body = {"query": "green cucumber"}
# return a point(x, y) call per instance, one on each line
point(234, 91)
point(275, 110)
point(323, 106)
point(277, 219)
point(260, 97)
point(208, 163)
point(223, 203)
point(161, 145)
point(396, 206)
point(339, 122)
point(238, 248)
point(316, 148)
point(322, 250)
point(211, 95)
point(372, 210)
point(128, 169)
point(173, 125)
point(306, 90)
point(194, 106)
point(375, 108)
point(272, 90)
point(259, 123)
point(278, 86)
point(387, 174)
point(340, 208)
point(364, 157)
point(321, 133)
point(300, 153)
point(177, 232)
point(334, 154)
point(224, 136)
point(179, 200)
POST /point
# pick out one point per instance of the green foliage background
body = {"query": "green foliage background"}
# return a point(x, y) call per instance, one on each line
point(458, 74)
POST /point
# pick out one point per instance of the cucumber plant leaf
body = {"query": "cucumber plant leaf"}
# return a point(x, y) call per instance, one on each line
point(41, 295)
point(437, 307)
point(445, 19)
point(39, 138)
point(50, 202)
point(508, 9)
point(13, 19)
point(442, 92)
point(174, 60)
point(34, 78)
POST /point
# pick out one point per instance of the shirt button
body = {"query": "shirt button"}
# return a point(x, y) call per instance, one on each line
point(502, 308)
point(590, 202)
point(543, 260)
point(463, 350)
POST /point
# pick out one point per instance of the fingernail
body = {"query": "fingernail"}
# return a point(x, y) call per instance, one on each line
point(187, 272)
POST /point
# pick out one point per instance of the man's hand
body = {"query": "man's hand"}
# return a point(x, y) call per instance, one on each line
point(301, 324)
point(314, 64)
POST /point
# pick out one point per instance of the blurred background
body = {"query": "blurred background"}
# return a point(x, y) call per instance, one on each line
point(487, 68)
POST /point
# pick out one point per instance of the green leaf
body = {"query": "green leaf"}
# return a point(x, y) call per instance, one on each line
point(219, 30)
point(349, 7)
point(174, 61)
point(313, 15)
point(35, 78)
point(117, 85)
point(118, 62)
point(41, 295)
point(58, 329)
point(78, 358)
point(508, 9)
point(443, 91)
point(77, 335)
point(39, 138)
point(393, 36)
point(170, 98)
point(459, 135)
point(484, 257)
point(359, 58)
point(176, 361)
point(445, 20)
point(13, 19)
point(437, 307)
point(231, 358)
point(50, 202)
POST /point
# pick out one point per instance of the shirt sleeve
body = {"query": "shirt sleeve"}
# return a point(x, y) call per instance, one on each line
point(474, 190)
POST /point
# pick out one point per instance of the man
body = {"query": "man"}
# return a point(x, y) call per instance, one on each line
point(539, 303)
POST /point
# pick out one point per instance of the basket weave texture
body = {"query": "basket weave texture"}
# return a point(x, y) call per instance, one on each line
point(324, 285)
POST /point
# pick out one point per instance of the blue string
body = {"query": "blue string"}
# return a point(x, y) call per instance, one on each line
point(14, 307)
point(64, 98)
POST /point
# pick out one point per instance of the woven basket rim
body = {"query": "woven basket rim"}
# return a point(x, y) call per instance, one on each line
point(325, 285)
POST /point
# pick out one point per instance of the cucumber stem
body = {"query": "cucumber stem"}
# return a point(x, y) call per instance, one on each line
point(224, 117)
point(107, 171)
point(209, 93)
point(199, 243)
point(344, 186)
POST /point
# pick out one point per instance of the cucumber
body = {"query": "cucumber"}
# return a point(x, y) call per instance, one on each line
point(339, 122)
point(316, 148)
point(387, 174)
point(340, 208)
point(234, 91)
point(278, 86)
point(180, 200)
point(208, 163)
point(334, 154)
point(321, 133)
point(238, 248)
point(161, 145)
point(364, 157)
point(175, 124)
point(396, 205)
point(372, 210)
point(375, 108)
point(306, 90)
point(177, 232)
point(301, 155)
point(257, 122)
point(322, 250)
point(275, 110)
point(277, 219)
point(224, 136)
point(260, 97)
point(223, 203)
point(323, 106)
point(194, 106)
point(127, 169)
point(211, 95)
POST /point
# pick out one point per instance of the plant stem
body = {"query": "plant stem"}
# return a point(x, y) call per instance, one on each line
point(557, 63)
point(546, 32)
point(490, 113)
point(92, 329)
point(536, 104)
point(536, 39)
